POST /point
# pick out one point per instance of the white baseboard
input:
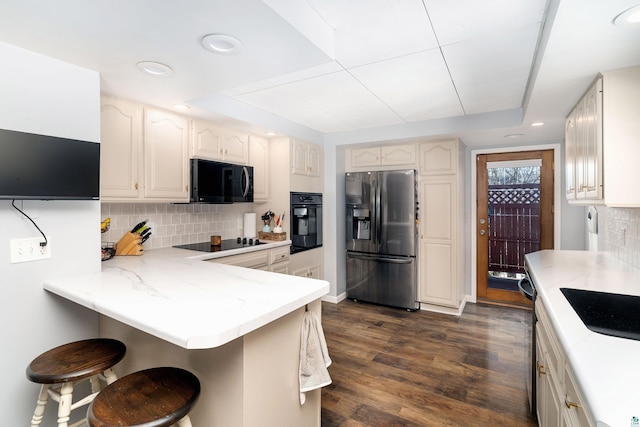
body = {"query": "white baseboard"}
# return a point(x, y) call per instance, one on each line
point(335, 299)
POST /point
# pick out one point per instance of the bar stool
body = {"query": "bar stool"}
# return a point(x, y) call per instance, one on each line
point(156, 397)
point(61, 368)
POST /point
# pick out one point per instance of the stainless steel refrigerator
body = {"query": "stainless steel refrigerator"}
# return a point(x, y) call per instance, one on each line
point(382, 237)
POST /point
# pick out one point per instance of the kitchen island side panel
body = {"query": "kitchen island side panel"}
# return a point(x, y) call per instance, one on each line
point(251, 381)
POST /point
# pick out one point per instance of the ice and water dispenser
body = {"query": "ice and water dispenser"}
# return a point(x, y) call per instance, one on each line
point(361, 222)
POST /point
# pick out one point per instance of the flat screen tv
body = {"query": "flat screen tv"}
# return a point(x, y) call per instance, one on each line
point(42, 167)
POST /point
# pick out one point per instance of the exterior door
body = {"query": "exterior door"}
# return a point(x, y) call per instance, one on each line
point(514, 217)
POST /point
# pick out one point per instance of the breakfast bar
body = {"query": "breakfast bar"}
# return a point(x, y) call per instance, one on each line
point(236, 329)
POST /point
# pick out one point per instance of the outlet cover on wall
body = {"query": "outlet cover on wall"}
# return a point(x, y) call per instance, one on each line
point(25, 250)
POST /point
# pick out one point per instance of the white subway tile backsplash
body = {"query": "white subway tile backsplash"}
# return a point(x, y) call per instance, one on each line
point(175, 224)
point(623, 234)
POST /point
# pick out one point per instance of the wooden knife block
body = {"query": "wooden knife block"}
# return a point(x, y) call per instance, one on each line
point(130, 244)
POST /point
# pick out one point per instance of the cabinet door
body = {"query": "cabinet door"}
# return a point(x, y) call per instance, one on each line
point(580, 154)
point(438, 263)
point(259, 159)
point(547, 398)
point(298, 157)
point(313, 160)
point(235, 146)
point(120, 148)
point(206, 141)
point(570, 155)
point(365, 157)
point(314, 272)
point(438, 158)
point(166, 138)
point(397, 155)
point(592, 135)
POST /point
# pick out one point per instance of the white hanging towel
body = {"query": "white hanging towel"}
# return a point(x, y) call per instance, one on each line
point(314, 356)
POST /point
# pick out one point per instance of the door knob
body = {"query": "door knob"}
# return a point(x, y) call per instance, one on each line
point(482, 232)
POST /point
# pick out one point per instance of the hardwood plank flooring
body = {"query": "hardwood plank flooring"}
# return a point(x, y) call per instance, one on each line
point(397, 368)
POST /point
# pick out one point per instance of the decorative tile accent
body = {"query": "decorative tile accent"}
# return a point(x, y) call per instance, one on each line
point(175, 224)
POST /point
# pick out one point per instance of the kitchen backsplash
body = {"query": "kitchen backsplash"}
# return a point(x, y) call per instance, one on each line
point(175, 224)
point(623, 234)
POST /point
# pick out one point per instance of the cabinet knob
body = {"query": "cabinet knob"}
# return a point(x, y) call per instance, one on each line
point(540, 369)
point(136, 186)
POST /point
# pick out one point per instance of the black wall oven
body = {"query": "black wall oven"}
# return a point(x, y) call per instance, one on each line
point(306, 221)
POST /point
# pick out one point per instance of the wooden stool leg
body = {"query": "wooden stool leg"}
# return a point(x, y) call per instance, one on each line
point(41, 404)
point(185, 422)
point(109, 376)
point(64, 409)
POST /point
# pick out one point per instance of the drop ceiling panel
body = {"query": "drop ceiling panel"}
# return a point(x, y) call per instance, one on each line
point(491, 72)
point(337, 95)
point(416, 87)
point(458, 20)
point(373, 30)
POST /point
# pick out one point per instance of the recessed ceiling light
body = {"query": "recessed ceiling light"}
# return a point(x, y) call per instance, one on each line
point(154, 68)
point(514, 135)
point(629, 16)
point(537, 124)
point(271, 134)
point(221, 43)
point(181, 106)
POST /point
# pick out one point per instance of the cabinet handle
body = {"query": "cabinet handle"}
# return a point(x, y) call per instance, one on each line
point(570, 404)
point(540, 368)
point(136, 186)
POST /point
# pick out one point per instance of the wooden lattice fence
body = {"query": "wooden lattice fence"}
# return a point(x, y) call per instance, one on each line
point(514, 225)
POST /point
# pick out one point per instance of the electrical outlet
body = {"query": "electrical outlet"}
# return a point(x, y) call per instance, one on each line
point(25, 250)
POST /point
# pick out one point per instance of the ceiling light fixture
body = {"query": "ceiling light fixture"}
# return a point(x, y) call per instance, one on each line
point(537, 124)
point(181, 106)
point(514, 135)
point(154, 68)
point(221, 43)
point(629, 16)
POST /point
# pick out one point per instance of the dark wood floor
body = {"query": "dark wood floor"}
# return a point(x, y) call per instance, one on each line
point(397, 368)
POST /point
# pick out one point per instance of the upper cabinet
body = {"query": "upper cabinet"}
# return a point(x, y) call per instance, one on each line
point(602, 142)
point(217, 143)
point(120, 149)
point(305, 158)
point(166, 165)
point(373, 157)
point(438, 158)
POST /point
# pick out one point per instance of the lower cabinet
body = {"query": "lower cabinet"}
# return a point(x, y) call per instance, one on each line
point(560, 402)
point(275, 260)
point(312, 272)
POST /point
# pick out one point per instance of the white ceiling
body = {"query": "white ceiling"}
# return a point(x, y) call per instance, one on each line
point(345, 71)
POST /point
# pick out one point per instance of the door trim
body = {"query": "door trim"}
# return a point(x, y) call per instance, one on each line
point(557, 202)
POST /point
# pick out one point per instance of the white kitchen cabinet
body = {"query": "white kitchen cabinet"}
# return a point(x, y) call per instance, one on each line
point(259, 159)
point(120, 149)
point(311, 272)
point(214, 142)
point(438, 158)
point(391, 155)
point(559, 400)
point(305, 158)
point(441, 225)
point(166, 165)
point(279, 260)
point(570, 155)
point(606, 141)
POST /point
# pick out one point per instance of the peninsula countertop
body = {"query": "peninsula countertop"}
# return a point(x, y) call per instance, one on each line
point(176, 296)
point(607, 368)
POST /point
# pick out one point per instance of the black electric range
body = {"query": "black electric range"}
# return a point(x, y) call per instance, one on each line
point(225, 245)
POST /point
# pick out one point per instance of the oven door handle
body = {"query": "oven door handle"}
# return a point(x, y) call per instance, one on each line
point(529, 291)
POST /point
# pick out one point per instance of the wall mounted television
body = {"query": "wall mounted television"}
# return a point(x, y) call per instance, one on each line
point(39, 167)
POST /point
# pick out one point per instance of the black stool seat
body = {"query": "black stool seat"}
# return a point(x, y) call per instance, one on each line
point(155, 397)
point(75, 361)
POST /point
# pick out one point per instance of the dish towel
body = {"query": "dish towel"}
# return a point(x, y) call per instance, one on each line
point(314, 356)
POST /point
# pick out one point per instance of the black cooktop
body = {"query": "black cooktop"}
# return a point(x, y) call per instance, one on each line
point(224, 245)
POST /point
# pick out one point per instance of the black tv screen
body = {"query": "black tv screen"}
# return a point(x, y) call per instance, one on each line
point(48, 168)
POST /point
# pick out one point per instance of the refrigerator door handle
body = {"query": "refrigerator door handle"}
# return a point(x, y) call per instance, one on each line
point(378, 230)
point(380, 259)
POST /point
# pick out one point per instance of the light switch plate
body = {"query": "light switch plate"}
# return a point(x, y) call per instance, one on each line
point(26, 250)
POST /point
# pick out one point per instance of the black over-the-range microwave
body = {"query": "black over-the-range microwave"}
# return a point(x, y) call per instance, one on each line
point(217, 182)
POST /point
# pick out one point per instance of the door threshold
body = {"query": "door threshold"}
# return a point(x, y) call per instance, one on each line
point(504, 303)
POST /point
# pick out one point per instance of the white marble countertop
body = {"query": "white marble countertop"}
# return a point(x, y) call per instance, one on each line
point(607, 368)
point(172, 294)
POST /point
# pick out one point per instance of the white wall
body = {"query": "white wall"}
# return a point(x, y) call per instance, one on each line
point(45, 96)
